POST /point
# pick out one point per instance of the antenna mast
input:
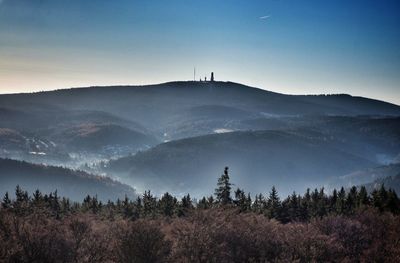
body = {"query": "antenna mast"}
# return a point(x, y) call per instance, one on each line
point(194, 74)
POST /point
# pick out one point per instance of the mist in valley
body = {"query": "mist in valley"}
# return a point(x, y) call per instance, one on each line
point(177, 137)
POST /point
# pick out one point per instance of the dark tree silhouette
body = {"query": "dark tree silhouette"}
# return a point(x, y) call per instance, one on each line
point(242, 201)
point(149, 207)
point(167, 205)
point(363, 198)
point(273, 204)
point(223, 190)
point(6, 201)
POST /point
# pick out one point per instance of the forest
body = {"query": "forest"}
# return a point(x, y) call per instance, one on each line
point(345, 225)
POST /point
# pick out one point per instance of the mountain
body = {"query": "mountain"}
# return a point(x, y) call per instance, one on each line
point(97, 137)
point(392, 182)
point(167, 108)
point(377, 139)
point(317, 137)
point(11, 139)
point(69, 183)
point(290, 160)
point(55, 136)
point(365, 177)
point(26, 146)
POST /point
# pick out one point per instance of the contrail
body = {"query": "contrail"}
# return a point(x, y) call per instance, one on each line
point(264, 17)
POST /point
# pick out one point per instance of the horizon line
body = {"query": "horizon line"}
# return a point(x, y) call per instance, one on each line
point(195, 81)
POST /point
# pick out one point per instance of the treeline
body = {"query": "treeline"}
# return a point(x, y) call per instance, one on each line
point(345, 226)
point(294, 208)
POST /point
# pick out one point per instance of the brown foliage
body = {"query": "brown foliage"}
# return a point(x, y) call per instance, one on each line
point(91, 239)
point(37, 238)
point(213, 235)
point(141, 241)
point(225, 236)
point(34, 239)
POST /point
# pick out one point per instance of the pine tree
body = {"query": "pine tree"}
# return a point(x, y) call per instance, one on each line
point(363, 198)
point(186, 202)
point(242, 201)
point(351, 201)
point(248, 202)
point(149, 207)
point(92, 204)
point(21, 196)
point(223, 190)
point(185, 205)
point(210, 201)
point(259, 204)
point(284, 212)
point(167, 204)
point(55, 204)
point(37, 197)
point(6, 201)
point(118, 205)
point(127, 208)
point(314, 203)
point(273, 204)
point(137, 208)
point(203, 203)
point(379, 198)
point(322, 203)
point(21, 201)
point(294, 207)
point(332, 201)
point(341, 202)
point(392, 203)
point(87, 202)
point(305, 204)
point(65, 206)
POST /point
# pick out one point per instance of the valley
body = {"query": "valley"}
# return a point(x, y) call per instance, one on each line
point(176, 136)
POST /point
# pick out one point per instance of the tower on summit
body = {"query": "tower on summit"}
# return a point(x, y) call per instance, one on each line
point(212, 76)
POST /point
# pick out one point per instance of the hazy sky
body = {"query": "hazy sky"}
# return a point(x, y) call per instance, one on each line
point(297, 47)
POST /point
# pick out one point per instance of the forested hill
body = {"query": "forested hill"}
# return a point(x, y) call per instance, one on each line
point(153, 105)
point(173, 136)
point(289, 160)
point(69, 183)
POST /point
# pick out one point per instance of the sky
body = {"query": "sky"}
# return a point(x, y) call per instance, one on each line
point(287, 46)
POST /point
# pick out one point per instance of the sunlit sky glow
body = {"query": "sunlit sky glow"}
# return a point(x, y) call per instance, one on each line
point(288, 46)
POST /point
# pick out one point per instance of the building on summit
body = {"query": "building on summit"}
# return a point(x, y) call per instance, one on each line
point(205, 78)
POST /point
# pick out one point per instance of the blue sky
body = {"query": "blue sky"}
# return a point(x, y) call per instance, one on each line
point(301, 47)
